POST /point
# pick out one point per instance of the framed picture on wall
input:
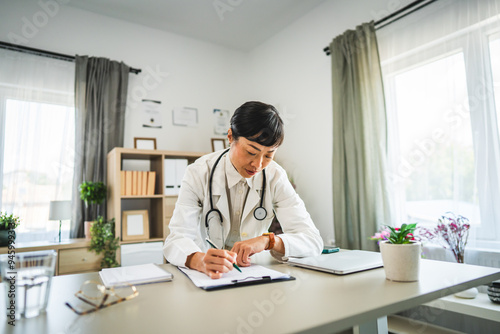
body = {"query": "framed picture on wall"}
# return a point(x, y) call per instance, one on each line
point(135, 225)
point(218, 144)
point(145, 143)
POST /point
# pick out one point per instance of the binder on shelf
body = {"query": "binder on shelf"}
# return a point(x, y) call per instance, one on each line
point(139, 183)
point(169, 177)
point(144, 189)
point(128, 183)
point(134, 182)
point(151, 183)
point(174, 170)
point(255, 274)
point(122, 182)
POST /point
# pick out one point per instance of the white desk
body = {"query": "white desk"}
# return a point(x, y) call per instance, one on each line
point(314, 303)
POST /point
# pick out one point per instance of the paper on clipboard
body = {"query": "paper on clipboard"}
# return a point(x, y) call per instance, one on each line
point(254, 273)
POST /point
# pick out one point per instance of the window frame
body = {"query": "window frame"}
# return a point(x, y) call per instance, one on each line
point(478, 76)
point(44, 97)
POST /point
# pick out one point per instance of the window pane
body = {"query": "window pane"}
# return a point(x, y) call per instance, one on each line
point(437, 158)
point(38, 164)
point(495, 69)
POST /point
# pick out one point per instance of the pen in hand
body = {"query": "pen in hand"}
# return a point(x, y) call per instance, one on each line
point(213, 246)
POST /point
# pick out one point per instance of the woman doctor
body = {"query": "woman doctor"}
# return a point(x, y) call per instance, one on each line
point(231, 197)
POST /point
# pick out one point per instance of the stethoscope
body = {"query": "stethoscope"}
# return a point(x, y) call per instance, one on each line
point(259, 213)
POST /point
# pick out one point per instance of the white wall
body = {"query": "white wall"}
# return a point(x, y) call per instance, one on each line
point(189, 73)
point(290, 70)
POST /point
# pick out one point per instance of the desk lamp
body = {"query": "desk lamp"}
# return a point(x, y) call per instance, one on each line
point(60, 210)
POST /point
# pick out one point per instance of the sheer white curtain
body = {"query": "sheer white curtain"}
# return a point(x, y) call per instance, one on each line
point(441, 69)
point(36, 141)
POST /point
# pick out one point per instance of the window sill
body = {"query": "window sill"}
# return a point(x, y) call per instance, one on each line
point(480, 307)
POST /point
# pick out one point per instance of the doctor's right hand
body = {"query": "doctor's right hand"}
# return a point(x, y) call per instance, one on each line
point(214, 263)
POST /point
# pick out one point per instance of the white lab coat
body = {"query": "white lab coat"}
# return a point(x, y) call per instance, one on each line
point(187, 225)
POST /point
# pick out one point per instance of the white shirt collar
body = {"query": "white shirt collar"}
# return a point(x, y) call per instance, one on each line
point(232, 174)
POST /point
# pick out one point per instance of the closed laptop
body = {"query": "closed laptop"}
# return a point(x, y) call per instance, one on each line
point(341, 263)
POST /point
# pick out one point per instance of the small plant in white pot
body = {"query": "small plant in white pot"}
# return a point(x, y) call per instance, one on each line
point(401, 254)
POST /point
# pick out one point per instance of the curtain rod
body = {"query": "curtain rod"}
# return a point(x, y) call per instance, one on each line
point(406, 10)
point(49, 54)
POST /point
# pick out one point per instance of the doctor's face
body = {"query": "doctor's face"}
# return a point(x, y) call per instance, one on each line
point(248, 157)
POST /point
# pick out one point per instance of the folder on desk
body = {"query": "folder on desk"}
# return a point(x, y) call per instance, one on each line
point(255, 274)
point(135, 275)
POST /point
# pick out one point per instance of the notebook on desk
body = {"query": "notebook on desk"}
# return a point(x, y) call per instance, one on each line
point(345, 262)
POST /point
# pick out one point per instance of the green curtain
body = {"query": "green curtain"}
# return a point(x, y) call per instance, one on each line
point(360, 187)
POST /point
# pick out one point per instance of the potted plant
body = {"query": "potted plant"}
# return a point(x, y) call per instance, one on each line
point(400, 253)
point(103, 241)
point(93, 194)
point(8, 224)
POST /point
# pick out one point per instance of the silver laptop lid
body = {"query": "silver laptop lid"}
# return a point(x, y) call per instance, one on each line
point(344, 262)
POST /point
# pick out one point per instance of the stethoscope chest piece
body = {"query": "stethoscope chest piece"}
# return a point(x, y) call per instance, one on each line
point(260, 213)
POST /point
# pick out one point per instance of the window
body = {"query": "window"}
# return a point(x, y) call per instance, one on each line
point(436, 163)
point(495, 70)
point(38, 164)
point(37, 126)
point(441, 69)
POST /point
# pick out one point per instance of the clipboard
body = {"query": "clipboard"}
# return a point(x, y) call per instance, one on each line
point(253, 275)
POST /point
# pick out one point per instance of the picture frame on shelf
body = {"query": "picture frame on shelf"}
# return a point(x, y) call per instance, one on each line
point(135, 225)
point(218, 144)
point(144, 143)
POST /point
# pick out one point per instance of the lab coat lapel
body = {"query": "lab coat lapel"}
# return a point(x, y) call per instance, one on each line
point(219, 189)
point(253, 198)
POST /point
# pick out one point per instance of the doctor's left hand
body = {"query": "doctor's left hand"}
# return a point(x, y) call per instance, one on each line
point(247, 248)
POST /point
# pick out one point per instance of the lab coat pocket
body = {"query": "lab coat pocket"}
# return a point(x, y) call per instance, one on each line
point(266, 222)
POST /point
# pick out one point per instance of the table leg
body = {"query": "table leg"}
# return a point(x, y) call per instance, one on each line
point(378, 326)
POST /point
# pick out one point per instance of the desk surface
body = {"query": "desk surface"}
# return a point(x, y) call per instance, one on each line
point(315, 302)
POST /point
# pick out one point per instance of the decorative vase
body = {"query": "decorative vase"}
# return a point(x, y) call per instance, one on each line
point(4, 237)
point(401, 261)
point(87, 225)
point(469, 293)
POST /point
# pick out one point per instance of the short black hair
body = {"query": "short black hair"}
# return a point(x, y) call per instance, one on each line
point(258, 122)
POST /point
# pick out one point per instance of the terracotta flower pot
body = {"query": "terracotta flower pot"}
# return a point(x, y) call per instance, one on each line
point(401, 261)
point(86, 226)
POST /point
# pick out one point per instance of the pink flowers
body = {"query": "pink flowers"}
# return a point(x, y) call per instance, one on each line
point(451, 232)
point(395, 235)
point(382, 235)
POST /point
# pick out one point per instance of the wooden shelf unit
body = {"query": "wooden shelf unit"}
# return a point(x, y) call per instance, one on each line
point(160, 206)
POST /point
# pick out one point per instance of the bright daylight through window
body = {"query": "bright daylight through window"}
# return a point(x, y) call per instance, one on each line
point(437, 157)
point(441, 69)
point(38, 165)
point(37, 140)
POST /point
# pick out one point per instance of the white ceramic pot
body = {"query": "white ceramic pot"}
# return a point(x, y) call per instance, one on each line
point(401, 262)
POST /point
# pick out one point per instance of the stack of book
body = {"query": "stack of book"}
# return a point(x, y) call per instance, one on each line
point(137, 183)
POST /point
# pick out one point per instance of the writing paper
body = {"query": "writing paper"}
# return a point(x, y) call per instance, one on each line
point(254, 273)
